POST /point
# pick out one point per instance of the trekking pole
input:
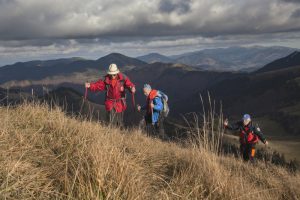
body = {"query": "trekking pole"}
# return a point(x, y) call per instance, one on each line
point(152, 115)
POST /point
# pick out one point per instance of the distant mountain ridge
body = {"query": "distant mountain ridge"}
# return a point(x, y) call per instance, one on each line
point(225, 59)
point(291, 60)
point(120, 60)
point(36, 70)
point(155, 57)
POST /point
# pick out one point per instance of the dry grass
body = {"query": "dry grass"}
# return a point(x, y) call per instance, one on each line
point(47, 155)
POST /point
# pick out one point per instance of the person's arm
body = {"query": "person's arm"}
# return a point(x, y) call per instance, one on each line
point(144, 107)
point(158, 106)
point(260, 135)
point(97, 86)
point(139, 107)
point(233, 127)
point(129, 85)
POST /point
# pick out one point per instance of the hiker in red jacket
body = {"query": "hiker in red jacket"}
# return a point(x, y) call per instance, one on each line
point(114, 83)
point(249, 136)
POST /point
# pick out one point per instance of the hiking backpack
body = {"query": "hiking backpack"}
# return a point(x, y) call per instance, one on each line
point(165, 111)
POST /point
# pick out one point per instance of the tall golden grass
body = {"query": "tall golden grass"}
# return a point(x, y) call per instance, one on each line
point(48, 155)
point(206, 130)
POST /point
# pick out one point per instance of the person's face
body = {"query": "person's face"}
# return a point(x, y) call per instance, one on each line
point(113, 76)
point(246, 122)
point(146, 92)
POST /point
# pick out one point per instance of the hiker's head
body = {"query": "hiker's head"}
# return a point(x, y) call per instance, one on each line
point(246, 119)
point(147, 89)
point(113, 70)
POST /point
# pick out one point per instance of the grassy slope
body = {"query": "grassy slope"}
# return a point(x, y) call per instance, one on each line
point(46, 155)
point(292, 110)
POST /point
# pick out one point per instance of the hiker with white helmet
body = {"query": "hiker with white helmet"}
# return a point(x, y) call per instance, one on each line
point(114, 83)
point(249, 136)
point(156, 108)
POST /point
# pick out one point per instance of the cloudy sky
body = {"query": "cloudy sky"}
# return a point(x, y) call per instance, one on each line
point(46, 29)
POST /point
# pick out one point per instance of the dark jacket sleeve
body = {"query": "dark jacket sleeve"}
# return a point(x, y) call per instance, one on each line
point(260, 135)
point(233, 127)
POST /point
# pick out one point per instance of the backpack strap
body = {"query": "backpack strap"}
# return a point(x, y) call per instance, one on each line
point(106, 85)
point(247, 132)
point(121, 81)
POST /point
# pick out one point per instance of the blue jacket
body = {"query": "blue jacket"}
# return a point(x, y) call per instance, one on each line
point(158, 107)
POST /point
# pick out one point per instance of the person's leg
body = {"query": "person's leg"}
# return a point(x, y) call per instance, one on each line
point(122, 119)
point(148, 125)
point(111, 117)
point(248, 152)
point(244, 152)
point(108, 117)
point(119, 119)
point(150, 129)
point(242, 149)
point(161, 129)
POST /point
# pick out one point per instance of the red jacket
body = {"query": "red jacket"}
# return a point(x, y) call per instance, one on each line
point(247, 136)
point(115, 92)
point(150, 98)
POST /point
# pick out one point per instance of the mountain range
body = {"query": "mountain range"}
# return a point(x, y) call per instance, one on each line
point(225, 59)
point(37, 70)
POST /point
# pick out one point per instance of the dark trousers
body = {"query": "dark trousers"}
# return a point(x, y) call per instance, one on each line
point(156, 129)
point(247, 152)
point(114, 118)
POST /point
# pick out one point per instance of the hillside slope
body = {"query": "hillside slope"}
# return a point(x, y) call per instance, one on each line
point(46, 155)
point(233, 58)
point(291, 60)
point(38, 70)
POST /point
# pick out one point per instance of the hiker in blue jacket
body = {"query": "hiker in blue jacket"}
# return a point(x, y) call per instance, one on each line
point(154, 106)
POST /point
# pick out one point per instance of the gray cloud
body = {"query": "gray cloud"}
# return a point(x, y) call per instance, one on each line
point(296, 14)
point(291, 1)
point(180, 7)
point(38, 29)
point(98, 18)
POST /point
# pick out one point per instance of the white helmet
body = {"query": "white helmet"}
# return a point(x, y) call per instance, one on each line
point(113, 69)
